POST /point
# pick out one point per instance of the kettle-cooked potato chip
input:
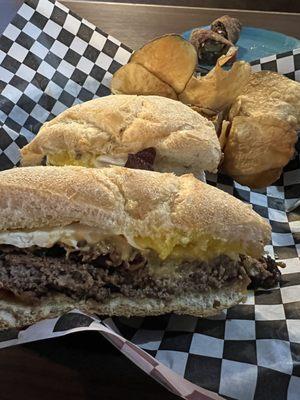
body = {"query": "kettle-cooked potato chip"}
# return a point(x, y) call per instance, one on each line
point(224, 133)
point(257, 148)
point(267, 92)
point(259, 180)
point(219, 88)
point(170, 58)
point(135, 79)
point(264, 119)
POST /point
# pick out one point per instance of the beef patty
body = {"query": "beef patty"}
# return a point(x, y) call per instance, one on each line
point(32, 273)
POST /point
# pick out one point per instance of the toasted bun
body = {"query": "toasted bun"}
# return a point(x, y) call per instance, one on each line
point(13, 314)
point(117, 125)
point(161, 210)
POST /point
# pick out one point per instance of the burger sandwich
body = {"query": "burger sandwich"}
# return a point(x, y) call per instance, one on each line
point(119, 241)
point(144, 132)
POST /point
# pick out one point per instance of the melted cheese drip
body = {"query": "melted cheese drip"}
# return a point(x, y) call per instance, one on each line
point(193, 247)
point(65, 158)
point(162, 251)
point(85, 160)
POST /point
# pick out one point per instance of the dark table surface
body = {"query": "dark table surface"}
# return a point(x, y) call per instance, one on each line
point(269, 5)
point(85, 366)
point(81, 366)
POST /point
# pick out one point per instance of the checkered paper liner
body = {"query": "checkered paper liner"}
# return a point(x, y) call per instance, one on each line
point(50, 59)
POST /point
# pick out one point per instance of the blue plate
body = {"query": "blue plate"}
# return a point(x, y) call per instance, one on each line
point(255, 43)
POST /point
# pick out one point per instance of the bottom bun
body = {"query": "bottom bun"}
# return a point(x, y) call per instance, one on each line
point(15, 314)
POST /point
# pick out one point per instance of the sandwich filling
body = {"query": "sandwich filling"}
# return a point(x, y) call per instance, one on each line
point(145, 159)
point(81, 271)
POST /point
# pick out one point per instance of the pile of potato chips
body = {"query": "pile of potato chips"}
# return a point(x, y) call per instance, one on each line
point(256, 115)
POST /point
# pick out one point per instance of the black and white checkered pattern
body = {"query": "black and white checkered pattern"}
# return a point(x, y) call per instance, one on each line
point(51, 59)
point(76, 321)
point(252, 350)
point(259, 340)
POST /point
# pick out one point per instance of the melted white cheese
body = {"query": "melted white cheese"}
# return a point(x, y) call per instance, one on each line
point(110, 160)
point(69, 235)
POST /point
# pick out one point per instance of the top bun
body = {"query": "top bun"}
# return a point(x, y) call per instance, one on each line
point(163, 212)
point(104, 131)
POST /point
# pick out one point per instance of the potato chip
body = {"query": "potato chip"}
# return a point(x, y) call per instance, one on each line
point(264, 120)
point(267, 92)
point(205, 112)
point(261, 180)
point(170, 58)
point(135, 79)
point(219, 88)
point(258, 144)
point(225, 130)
